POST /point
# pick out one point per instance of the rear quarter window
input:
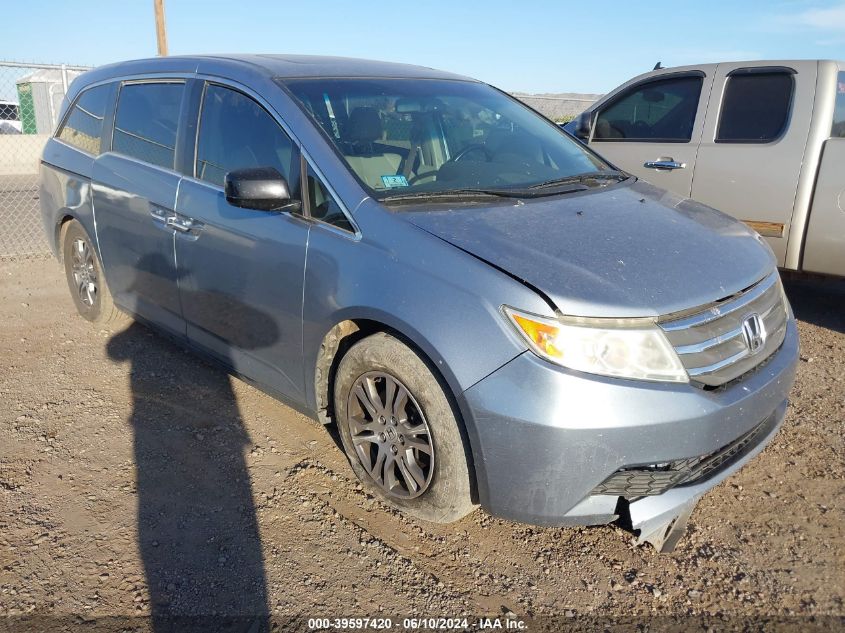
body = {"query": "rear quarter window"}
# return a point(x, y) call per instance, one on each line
point(83, 127)
point(838, 129)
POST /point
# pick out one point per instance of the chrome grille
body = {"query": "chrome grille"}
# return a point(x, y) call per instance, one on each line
point(711, 342)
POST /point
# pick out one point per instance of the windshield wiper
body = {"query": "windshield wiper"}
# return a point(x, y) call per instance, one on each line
point(449, 193)
point(528, 192)
point(580, 178)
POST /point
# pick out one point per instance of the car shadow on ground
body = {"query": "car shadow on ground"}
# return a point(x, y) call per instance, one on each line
point(820, 301)
point(198, 533)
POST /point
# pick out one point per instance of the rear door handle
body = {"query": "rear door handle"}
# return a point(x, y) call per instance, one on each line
point(177, 224)
point(664, 164)
point(182, 224)
point(160, 214)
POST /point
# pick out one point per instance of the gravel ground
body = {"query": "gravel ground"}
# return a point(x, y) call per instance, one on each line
point(137, 479)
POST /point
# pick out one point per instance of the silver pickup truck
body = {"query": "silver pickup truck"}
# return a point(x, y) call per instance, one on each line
point(763, 141)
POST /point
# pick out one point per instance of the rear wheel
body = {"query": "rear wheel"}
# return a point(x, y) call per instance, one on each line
point(399, 430)
point(85, 278)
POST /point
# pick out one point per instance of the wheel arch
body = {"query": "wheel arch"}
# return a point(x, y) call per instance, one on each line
point(350, 327)
point(64, 219)
point(348, 331)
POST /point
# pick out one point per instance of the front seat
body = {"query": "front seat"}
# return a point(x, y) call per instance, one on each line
point(369, 159)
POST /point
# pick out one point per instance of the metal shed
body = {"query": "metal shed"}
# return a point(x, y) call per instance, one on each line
point(40, 96)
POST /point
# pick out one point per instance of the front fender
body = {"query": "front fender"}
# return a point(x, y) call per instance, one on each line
point(443, 300)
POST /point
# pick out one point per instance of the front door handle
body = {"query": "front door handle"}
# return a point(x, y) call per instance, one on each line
point(664, 164)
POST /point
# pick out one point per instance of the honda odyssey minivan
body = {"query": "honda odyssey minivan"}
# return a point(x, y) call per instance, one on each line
point(488, 311)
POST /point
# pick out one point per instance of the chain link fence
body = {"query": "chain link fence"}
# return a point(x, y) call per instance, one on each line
point(30, 100)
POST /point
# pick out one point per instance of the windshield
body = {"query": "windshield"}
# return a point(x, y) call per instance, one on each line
point(407, 136)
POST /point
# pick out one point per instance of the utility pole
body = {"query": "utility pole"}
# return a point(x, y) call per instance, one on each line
point(161, 28)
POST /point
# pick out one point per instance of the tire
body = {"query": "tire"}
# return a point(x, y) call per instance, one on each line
point(440, 470)
point(83, 268)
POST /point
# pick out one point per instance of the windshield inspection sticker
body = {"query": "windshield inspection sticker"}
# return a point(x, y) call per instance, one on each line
point(392, 182)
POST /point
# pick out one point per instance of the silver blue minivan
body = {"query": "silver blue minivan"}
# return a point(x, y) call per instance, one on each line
point(488, 311)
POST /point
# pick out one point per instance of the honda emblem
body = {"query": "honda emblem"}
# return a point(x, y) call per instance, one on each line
point(753, 332)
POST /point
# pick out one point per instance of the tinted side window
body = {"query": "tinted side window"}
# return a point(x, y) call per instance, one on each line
point(83, 127)
point(755, 108)
point(237, 133)
point(322, 204)
point(658, 111)
point(838, 129)
point(146, 121)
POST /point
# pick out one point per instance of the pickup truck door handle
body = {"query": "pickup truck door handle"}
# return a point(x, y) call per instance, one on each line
point(664, 164)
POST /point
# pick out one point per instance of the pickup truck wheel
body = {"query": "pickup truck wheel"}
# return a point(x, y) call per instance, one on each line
point(400, 432)
point(85, 278)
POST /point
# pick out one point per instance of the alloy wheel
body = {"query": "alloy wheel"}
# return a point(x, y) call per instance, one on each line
point(84, 272)
point(390, 434)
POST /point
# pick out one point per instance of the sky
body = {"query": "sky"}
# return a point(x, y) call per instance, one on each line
point(528, 46)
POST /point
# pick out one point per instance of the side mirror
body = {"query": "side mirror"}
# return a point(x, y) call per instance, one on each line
point(580, 126)
point(259, 188)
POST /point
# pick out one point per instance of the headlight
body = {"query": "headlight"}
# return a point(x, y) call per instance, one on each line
point(624, 348)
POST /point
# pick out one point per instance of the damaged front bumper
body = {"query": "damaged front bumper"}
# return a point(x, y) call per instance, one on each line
point(545, 439)
point(661, 520)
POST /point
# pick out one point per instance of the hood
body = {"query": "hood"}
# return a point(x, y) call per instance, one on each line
point(629, 250)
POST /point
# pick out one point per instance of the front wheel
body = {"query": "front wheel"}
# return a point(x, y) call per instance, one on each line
point(400, 432)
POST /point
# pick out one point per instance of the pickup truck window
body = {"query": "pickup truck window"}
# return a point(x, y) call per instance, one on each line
point(755, 107)
point(657, 111)
point(838, 129)
point(84, 124)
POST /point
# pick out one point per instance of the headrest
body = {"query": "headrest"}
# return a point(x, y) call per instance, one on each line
point(364, 125)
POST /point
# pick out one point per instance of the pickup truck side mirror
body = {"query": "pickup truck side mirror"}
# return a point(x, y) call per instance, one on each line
point(580, 126)
point(259, 188)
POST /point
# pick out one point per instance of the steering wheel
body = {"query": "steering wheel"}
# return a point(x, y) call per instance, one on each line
point(428, 174)
point(473, 147)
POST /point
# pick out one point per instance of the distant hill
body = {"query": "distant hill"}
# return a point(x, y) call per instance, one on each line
point(558, 106)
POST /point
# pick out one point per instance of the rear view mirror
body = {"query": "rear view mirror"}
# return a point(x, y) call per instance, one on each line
point(259, 188)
